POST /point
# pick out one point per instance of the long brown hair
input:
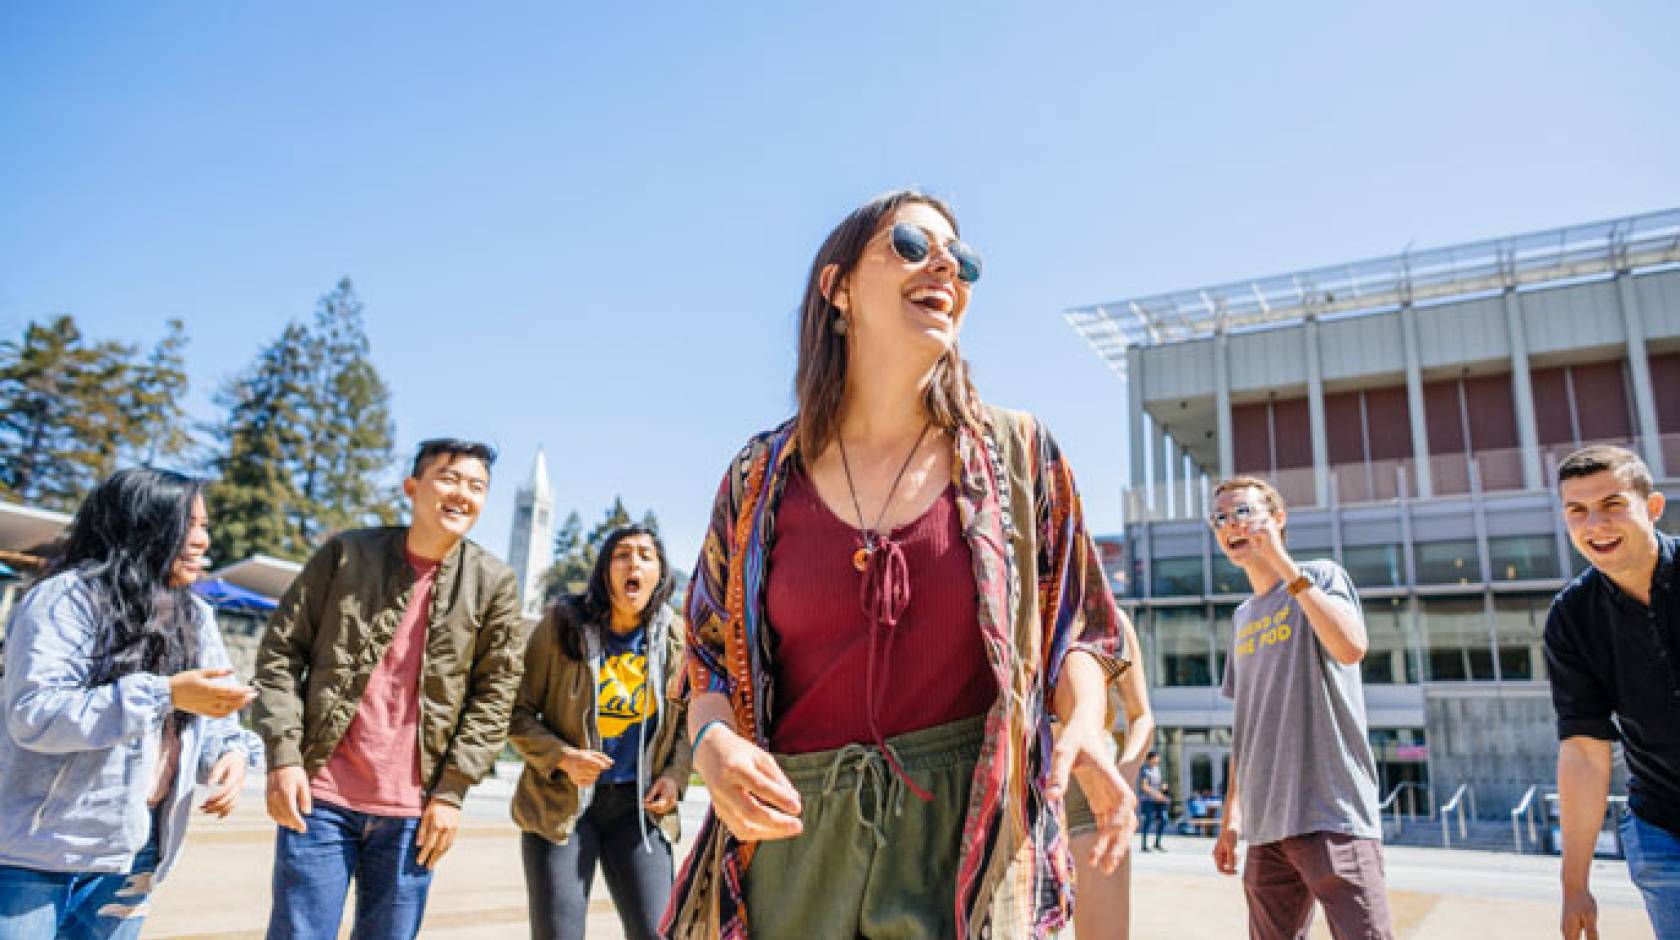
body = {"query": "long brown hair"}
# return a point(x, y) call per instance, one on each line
point(820, 382)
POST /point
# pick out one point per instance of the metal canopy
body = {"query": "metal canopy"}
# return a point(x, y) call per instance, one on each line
point(1379, 284)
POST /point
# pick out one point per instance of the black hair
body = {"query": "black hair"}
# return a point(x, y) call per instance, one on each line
point(450, 447)
point(1599, 458)
point(594, 605)
point(1151, 754)
point(123, 542)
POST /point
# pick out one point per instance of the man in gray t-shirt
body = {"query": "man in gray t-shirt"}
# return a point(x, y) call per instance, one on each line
point(1303, 784)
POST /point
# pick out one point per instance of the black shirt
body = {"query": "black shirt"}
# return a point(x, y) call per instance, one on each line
point(1609, 655)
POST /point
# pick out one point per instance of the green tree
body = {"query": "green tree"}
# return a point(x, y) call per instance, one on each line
point(70, 410)
point(350, 428)
point(253, 501)
point(154, 396)
point(616, 515)
point(574, 559)
point(305, 448)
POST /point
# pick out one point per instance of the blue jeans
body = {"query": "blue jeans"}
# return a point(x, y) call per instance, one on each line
point(1154, 813)
point(77, 905)
point(312, 874)
point(1653, 857)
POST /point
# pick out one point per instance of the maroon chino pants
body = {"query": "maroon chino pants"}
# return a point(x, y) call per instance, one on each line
point(1342, 872)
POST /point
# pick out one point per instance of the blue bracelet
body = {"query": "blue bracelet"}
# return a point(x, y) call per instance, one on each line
point(702, 733)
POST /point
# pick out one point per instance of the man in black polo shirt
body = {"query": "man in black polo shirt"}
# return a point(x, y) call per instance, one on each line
point(1613, 650)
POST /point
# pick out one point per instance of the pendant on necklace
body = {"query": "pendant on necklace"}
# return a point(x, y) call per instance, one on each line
point(860, 558)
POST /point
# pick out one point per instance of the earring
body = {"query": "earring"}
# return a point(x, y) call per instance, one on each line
point(840, 325)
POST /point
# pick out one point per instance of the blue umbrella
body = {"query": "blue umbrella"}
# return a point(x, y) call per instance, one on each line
point(225, 596)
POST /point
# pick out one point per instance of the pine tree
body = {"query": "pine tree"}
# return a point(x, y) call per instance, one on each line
point(350, 426)
point(70, 410)
point(616, 516)
point(154, 394)
point(574, 559)
point(307, 441)
point(253, 501)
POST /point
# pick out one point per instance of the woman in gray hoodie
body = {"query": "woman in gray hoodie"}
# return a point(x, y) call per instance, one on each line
point(605, 762)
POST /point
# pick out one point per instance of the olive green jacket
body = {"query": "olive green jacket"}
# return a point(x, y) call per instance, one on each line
point(555, 714)
point(335, 624)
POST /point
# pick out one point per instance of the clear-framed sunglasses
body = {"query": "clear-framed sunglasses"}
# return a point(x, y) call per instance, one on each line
point(1245, 513)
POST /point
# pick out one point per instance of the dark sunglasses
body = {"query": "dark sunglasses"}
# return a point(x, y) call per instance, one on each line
point(913, 244)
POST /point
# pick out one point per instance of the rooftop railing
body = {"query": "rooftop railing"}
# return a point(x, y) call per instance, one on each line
point(1411, 277)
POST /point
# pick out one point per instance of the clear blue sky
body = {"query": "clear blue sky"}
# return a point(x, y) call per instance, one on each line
point(586, 225)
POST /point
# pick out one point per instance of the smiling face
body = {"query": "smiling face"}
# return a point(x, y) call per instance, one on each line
point(189, 565)
point(888, 300)
point(448, 495)
point(633, 575)
point(1612, 525)
point(1235, 513)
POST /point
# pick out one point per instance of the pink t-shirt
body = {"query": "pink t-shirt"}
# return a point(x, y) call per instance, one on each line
point(376, 767)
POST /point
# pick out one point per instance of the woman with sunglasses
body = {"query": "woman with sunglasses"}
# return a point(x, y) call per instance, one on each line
point(606, 754)
point(118, 700)
point(899, 633)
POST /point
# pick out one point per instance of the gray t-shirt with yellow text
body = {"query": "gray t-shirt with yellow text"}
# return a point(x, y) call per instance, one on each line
point(1300, 754)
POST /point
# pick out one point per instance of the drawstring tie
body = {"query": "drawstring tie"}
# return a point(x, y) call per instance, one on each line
point(884, 593)
point(870, 771)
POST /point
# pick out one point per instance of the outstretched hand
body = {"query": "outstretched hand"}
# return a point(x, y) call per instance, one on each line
point(1081, 752)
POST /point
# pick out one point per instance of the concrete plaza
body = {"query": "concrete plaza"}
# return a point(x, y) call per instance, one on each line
point(221, 887)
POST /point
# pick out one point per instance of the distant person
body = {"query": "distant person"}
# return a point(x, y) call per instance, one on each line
point(606, 753)
point(1613, 657)
point(385, 682)
point(1153, 803)
point(1303, 781)
point(896, 595)
point(118, 700)
point(1196, 806)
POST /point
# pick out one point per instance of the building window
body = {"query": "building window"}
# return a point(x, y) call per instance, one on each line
point(1402, 757)
point(1519, 624)
point(1523, 557)
point(1451, 562)
point(1183, 645)
point(1374, 565)
point(1456, 645)
point(1388, 657)
point(1228, 578)
point(1177, 577)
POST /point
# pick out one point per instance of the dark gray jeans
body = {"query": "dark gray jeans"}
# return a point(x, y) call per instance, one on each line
point(558, 875)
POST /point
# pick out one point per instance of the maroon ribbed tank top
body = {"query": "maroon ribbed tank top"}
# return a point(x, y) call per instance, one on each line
point(933, 672)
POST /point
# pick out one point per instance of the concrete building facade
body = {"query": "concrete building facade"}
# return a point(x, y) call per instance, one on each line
point(1412, 410)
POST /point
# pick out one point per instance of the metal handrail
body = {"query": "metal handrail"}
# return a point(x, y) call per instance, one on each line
point(1456, 805)
point(1525, 810)
point(1410, 788)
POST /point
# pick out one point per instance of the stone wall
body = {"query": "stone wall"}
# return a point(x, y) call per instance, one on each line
point(1500, 740)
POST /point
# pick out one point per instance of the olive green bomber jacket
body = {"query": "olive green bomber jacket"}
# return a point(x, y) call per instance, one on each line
point(335, 624)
